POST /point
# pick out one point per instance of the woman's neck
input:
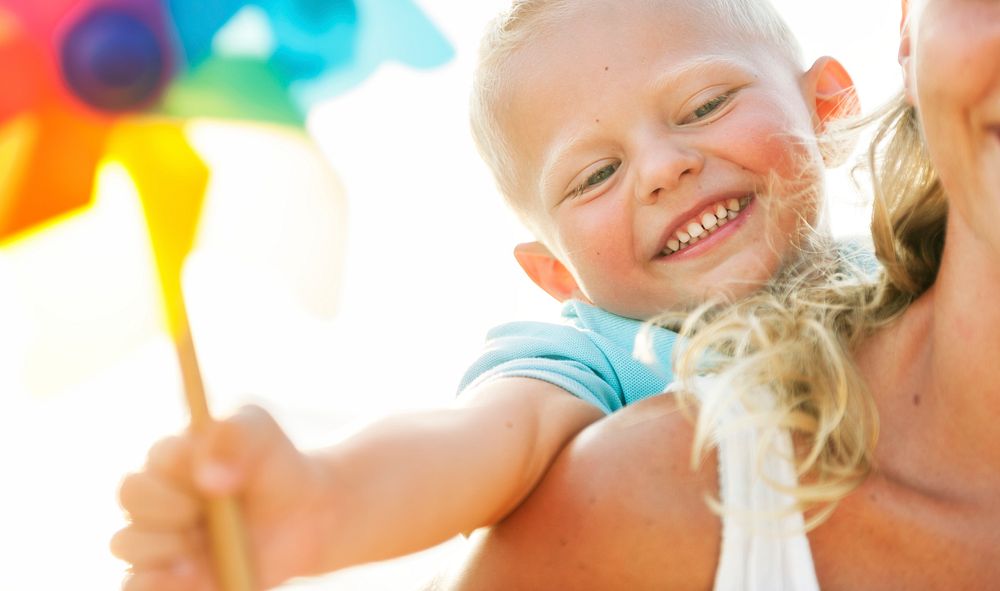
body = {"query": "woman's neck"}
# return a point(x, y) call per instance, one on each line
point(935, 374)
point(966, 326)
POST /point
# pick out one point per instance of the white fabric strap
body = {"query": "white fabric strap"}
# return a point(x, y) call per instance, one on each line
point(764, 545)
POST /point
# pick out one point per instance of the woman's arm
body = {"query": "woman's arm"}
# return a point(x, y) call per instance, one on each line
point(619, 509)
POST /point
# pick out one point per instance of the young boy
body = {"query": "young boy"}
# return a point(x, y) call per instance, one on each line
point(663, 152)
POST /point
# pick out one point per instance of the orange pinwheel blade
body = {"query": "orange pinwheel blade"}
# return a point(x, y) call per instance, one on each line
point(53, 154)
point(50, 143)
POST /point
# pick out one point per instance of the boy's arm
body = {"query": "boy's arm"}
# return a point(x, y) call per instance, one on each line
point(400, 485)
point(406, 483)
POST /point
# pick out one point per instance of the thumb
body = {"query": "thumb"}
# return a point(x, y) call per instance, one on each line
point(227, 451)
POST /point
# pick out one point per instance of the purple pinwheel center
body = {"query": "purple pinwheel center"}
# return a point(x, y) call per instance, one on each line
point(113, 61)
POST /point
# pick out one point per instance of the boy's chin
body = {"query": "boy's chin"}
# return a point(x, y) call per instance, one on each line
point(674, 313)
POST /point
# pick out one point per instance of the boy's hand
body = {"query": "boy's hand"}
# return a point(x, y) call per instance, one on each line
point(280, 489)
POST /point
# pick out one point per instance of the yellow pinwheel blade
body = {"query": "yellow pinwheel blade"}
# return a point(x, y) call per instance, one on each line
point(170, 179)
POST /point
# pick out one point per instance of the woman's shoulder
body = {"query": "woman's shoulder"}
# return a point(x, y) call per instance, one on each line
point(620, 508)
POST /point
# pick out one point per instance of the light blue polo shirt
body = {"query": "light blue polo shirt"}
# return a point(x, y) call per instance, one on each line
point(589, 353)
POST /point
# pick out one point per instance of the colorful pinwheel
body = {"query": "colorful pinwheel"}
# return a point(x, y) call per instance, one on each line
point(73, 70)
point(102, 91)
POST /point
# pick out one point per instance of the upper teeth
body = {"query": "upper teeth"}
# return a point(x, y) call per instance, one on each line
point(701, 226)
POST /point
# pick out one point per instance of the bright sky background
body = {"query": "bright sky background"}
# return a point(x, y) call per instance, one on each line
point(405, 295)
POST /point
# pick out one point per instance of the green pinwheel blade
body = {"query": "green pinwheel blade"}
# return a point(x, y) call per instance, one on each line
point(231, 88)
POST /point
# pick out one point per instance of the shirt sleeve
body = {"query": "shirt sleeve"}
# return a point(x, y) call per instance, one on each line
point(558, 354)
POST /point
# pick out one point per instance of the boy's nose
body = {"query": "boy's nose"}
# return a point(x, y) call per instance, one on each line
point(663, 167)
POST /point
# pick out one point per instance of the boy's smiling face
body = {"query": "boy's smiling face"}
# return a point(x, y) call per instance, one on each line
point(647, 145)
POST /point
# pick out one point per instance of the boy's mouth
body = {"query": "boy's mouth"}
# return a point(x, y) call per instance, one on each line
point(704, 224)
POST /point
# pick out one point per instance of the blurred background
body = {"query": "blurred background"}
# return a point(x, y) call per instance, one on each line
point(345, 261)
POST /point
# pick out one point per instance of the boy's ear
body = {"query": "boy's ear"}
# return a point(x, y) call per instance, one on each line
point(834, 98)
point(546, 271)
point(833, 90)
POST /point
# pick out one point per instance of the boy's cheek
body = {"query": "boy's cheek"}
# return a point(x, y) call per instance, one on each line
point(597, 265)
point(771, 141)
point(602, 268)
point(596, 233)
point(783, 156)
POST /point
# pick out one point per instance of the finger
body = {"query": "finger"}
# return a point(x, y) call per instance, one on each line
point(155, 503)
point(228, 450)
point(145, 548)
point(171, 457)
point(183, 576)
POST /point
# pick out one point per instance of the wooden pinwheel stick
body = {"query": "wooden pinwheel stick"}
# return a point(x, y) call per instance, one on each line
point(225, 523)
point(171, 180)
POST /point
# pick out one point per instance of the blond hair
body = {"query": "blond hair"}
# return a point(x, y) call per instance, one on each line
point(525, 20)
point(795, 339)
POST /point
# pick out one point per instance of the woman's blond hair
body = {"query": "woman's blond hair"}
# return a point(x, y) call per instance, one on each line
point(795, 339)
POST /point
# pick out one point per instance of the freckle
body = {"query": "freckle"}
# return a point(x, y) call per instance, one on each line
point(916, 400)
point(509, 425)
point(592, 500)
point(597, 120)
point(563, 542)
point(605, 68)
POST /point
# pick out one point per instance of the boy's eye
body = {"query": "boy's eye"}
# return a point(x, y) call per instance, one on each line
point(708, 108)
point(599, 176)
